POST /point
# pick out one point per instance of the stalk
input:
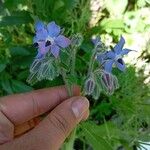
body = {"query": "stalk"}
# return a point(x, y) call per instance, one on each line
point(92, 60)
point(69, 144)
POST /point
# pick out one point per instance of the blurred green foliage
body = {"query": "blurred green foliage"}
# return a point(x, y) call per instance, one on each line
point(122, 119)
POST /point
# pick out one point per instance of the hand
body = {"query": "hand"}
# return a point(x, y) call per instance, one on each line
point(64, 114)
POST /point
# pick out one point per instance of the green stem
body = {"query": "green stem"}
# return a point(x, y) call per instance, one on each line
point(73, 61)
point(63, 73)
point(92, 60)
point(69, 144)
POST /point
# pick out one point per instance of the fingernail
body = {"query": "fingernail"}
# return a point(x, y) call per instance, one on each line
point(80, 106)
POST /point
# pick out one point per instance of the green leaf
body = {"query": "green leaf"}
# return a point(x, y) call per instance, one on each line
point(71, 3)
point(17, 18)
point(96, 136)
point(3, 63)
point(21, 51)
point(6, 85)
point(24, 62)
point(112, 24)
point(12, 4)
point(19, 86)
point(2, 67)
point(23, 75)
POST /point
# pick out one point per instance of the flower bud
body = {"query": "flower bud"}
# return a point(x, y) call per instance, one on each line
point(107, 82)
point(89, 85)
point(96, 92)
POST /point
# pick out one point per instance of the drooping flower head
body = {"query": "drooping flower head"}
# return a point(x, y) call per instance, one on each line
point(114, 57)
point(49, 38)
point(109, 82)
point(89, 85)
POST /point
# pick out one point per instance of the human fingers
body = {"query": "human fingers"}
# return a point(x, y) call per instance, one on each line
point(21, 108)
point(55, 128)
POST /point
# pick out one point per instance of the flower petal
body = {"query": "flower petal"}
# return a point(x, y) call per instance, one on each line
point(53, 29)
point(110, 54)
point(39, 55)
point(35, 40)
point(43, 49)
point(62, 41)
point(120, 64)
point(125, 51)
point(41, 35)
point(39, 25)
point(55, 50)
point(101, 57)
point(108, 65)
point(119, 46)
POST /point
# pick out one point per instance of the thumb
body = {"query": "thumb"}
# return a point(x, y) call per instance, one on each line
point(55, 128)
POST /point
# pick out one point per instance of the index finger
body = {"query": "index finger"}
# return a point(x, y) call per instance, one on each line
point(20, 108)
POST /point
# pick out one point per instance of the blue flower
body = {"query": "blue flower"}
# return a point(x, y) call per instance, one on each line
point(114, 57)
point(49, 37)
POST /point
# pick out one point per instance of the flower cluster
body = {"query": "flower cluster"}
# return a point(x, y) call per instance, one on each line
point(114, 57)
point(49, 41)
point(47, 64)
point(102, 79)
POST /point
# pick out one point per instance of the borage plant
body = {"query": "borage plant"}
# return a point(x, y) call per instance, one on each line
point(57, 56)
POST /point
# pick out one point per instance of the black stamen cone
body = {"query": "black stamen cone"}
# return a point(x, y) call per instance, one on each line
point(48, 43)
point(36, 45)
point(120, 61)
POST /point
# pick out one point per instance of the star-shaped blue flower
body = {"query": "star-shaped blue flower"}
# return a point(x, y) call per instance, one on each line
point(114, 57)
point(49, 37)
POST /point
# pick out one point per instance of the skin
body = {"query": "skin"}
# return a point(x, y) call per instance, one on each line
point(18, 113)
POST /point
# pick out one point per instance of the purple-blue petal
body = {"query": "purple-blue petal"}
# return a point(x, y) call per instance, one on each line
point(111, 55)
point(120, 64)
point(35, 40)
point(53, 29)
point(55, 50)
point(42, 48)
point(125, 51)
point(41, 35)
point(62, 41)
point(108, 65)
point(39, 25)
point(119, 46)
point(101, 57)
point(39, 55)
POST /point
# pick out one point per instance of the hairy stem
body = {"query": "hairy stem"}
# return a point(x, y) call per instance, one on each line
point(92, 60)
point(73, 61)
point(64, 76)
point(69, 144)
